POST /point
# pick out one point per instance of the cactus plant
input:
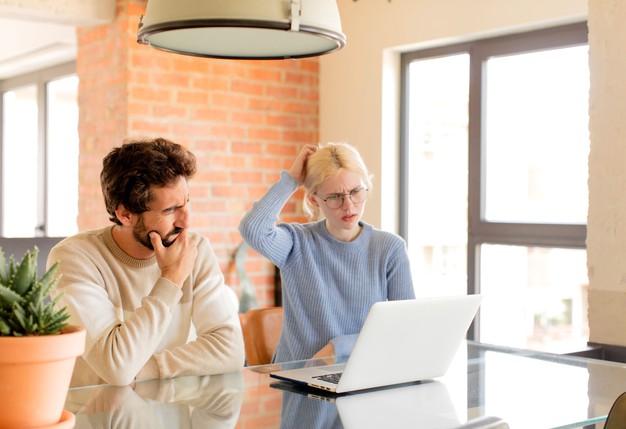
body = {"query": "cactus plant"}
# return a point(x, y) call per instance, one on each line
point(26, 306)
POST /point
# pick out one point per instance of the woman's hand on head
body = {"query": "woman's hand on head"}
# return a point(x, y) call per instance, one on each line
point(298, 169)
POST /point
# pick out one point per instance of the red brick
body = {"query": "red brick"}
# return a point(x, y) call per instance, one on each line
point(265, 75)
point(282, 92)
point(211, 83)
point(282, 150)
point(264, 134)
point(149, 94)
point(192, 97)
point(178, 80)
point(243, 176)
point(285, 121)
point(209, 115)
point(248, 117)
point(247, 87)
point(246, 147)
point(168, 110)
point(229, 101)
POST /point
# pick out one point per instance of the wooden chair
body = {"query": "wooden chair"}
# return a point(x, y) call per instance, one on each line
point(616, 418)
point(261, 332)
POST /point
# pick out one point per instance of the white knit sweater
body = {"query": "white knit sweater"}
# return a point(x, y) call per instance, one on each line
point(140, 325)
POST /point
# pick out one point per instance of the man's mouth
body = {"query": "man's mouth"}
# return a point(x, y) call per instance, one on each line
point(168, 240)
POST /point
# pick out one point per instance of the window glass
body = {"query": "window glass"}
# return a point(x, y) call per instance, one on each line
point(536, 137)
point(62, 157)
point(495, 147)
point(20, 162)
point(534, 298)
point(437, 175)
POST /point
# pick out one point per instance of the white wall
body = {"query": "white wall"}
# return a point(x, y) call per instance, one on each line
point(359, 85)
point(606, 225)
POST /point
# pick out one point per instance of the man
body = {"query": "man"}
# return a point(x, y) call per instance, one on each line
point(148, 291)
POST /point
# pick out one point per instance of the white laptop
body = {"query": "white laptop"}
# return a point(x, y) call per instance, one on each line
point(400, 342)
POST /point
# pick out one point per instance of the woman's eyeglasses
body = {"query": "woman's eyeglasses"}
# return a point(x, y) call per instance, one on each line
point(335, 201)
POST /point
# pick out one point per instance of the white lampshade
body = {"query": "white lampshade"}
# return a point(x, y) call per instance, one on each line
point(243, 29)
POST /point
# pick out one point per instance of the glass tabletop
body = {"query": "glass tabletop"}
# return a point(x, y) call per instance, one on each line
point(484, 384)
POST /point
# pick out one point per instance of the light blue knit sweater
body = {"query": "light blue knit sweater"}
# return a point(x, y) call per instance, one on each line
point(328, 285)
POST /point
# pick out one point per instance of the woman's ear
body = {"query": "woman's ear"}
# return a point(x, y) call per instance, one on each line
point(312, 200)
point(123, 215)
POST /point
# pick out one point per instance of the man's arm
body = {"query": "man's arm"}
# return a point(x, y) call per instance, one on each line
point(119, 342)
point(219, 346)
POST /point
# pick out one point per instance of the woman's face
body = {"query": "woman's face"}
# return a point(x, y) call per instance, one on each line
point(335, 198)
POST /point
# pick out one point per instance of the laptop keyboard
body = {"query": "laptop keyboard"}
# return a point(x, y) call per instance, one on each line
point(329, 378)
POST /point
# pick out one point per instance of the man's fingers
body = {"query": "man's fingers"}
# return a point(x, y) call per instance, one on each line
point(155, 239)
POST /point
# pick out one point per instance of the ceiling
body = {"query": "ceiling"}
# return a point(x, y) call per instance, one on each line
point(42, 33)
point(34, 45)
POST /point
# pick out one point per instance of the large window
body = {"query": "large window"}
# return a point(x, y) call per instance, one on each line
point(494, 175)
point(39, 154)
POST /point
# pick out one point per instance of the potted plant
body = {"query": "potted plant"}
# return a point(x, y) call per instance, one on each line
point(38, 348)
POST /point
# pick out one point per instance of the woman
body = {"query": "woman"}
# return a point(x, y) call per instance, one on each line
point(332, 269)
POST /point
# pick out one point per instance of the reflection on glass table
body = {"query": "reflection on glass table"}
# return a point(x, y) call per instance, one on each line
point(428, 403)
point(184, 402)
point(485, 387)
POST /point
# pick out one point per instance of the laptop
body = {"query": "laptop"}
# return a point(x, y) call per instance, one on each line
point(400, 342)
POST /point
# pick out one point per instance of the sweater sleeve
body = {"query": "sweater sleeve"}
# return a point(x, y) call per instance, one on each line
point(399, 278)
point(219, 346)
point(344, 344)
point(116, 350)
point(258, 227)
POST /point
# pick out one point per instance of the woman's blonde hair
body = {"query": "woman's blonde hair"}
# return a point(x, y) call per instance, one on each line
point(324, 164)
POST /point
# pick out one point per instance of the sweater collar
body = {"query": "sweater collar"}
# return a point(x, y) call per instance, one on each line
point(361, 240)
point(122, 256)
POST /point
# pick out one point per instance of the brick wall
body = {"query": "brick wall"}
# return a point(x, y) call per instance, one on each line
point(244, 120)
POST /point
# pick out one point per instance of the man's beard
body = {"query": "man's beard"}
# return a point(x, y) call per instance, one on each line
point(142, 235)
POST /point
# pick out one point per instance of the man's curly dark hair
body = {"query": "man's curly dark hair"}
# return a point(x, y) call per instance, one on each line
point(129, 172)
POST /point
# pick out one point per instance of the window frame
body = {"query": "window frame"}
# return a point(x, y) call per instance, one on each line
point(40, 79)
point(481, 231)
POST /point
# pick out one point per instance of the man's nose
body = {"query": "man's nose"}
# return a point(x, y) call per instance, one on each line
point(183, 219)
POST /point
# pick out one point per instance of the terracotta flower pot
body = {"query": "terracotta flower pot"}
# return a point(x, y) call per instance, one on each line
point(35, 375)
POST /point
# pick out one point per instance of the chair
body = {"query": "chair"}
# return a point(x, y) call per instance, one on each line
point(261, 332)
point(616, 418)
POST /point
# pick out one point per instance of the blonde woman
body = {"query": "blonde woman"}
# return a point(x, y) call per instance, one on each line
point(334, 267)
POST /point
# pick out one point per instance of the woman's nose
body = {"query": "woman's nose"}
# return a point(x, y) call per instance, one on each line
point(346, 202)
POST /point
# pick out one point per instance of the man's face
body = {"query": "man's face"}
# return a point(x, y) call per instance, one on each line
point(168, 215)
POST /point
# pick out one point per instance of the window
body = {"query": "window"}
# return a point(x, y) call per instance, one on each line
point(494, 182)
point(39, 154)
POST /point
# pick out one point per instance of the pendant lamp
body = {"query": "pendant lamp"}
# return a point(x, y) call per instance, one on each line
point(243, 29)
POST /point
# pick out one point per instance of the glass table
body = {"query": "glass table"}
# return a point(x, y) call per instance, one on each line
point(484, 384)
